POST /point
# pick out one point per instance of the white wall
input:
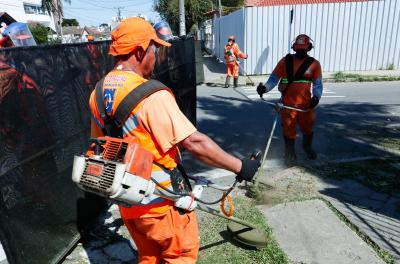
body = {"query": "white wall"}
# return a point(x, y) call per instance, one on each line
point(15, 8)
point(348, 36)
point(227, 26)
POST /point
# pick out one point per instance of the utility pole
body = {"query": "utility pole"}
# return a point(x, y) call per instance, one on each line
point(119, 16)
point(290, 27)
point(220, 8)
point(182, 27)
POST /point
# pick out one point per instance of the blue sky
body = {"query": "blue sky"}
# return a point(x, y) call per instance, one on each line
point(93, 13)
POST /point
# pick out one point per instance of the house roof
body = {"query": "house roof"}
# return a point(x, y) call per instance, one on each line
point(92, 31)
point(295, 2)
point(72, 30)
point(4, 17)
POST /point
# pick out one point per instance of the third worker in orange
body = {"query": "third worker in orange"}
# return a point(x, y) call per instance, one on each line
point(231, 54)
point(297, 74)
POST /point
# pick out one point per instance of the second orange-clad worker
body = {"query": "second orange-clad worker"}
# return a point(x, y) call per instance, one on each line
point(297, 73)
point(163, 233)
point(231, 54)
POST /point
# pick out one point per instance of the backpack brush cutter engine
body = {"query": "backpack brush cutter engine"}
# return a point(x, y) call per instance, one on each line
point(119, 169)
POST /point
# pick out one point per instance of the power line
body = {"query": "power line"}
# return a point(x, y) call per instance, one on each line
point(97, 20)
point(90, 3)
point(11, 5)
point(136, 4)
point(81, 8)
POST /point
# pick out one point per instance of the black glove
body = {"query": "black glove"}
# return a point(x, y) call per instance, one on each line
point(261, 89)
point(248, 170)
point(314, 102)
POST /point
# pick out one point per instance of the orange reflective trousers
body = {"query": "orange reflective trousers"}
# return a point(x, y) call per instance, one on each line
point(170, 238)
point(232, 69)
point(290, 118)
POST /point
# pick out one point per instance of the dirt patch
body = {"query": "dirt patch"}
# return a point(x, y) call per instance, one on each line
point(292, 184)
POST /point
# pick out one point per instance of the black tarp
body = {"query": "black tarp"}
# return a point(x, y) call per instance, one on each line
point(44, 121)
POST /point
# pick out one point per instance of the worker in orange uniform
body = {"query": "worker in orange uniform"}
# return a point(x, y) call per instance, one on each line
point(163, 233)
point(231, 54)
point(297, 74)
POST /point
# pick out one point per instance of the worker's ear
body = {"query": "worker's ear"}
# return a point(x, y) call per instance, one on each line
point(139, 54)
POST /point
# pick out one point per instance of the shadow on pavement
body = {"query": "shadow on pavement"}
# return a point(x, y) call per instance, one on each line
point(344, 130)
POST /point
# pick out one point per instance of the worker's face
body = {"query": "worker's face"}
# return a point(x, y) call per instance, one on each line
point(231, 41)
point(149, 60)
point(301, 53)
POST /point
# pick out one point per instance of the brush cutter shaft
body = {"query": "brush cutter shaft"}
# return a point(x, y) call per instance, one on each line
point(206, 182)
point(280, 105)
point(215, 212)
point(245, 73)
point(204, 208)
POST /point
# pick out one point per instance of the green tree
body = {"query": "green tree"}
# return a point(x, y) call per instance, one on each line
point(229, 6)
point(194, 11)
point(70, 22)
point(40, 33)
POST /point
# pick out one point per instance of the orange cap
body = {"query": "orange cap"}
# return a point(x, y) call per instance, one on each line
point(90, 38)
point(131, 33)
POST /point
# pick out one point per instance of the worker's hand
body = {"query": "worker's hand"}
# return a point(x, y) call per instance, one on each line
point(261, 89)
point(246, 56)
point(187, 203)
point(314, 102)
point(248, 170)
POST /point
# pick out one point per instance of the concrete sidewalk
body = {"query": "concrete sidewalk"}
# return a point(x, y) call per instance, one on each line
point(309, 232)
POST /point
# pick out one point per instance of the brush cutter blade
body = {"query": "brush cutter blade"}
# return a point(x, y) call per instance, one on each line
point(248, 236)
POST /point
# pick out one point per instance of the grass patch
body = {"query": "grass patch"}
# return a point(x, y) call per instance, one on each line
point(343, 77)
point(383, 254)
point(390, 67)
point(216, 244)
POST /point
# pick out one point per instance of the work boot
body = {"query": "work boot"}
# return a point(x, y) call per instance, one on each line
point(227, 81)
point(307, 146)
point(290, 154)
point(235, 82)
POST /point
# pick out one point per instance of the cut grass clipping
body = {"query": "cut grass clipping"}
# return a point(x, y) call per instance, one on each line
point(217, 246)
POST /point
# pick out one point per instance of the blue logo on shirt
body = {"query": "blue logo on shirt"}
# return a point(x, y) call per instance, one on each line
point(109, 99)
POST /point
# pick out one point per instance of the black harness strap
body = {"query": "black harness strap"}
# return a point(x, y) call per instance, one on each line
point(99, 98)
point(113, 125)
point(135, 97)
point(289, 67)
point(300, 71)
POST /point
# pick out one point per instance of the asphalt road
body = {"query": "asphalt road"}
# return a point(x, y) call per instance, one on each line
point(353, 120)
